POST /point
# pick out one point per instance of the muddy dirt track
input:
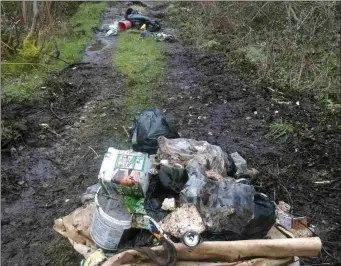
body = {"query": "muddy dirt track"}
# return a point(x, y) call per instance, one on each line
point(66, 133)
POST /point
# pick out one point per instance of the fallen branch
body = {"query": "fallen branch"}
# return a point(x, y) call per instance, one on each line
point(51, 108)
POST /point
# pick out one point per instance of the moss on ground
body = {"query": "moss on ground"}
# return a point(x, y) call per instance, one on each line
point(143, 63)
point(23, 75)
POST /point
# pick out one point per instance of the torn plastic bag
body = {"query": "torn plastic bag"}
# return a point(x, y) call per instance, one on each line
point(146, 129)
point(231, 207)
point(182, 150)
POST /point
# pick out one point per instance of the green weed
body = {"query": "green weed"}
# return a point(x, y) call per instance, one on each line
point(143, 64)
point(25, 73)
point(280, 130)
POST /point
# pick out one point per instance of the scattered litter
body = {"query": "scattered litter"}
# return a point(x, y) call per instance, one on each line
point(276, 112)
point(159, 37)
point(124, 25)
point(248, 118)
point(255, 112)
point(323, 182)
point(298, 226)
point(74, 68)
point(113, 29)
point(137, 20)
point(67, 200)
point(168, 204)
point(183, 219)
point(210, 133)
point(297, 103)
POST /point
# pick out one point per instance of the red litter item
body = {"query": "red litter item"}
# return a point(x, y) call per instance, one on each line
point(124, 25)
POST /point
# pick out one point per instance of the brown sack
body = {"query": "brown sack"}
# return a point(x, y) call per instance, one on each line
point(76, 225)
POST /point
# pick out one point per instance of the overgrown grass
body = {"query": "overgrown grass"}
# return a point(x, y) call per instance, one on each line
point(292, 45)
point(143, 64)
point(22, 81)
point(280, 130)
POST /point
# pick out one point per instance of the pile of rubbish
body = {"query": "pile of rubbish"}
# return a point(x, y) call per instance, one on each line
point(177, 201)
point(136, 20)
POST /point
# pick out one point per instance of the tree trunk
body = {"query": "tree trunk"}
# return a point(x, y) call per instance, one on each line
point(32, 34)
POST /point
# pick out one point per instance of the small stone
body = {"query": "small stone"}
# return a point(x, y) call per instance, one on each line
point(248, 118)
point(255, 112)
point(21, 182)
point(210, 133)
point(297, 103)
point(276, 112)
point(103, 115)
point(168, 204)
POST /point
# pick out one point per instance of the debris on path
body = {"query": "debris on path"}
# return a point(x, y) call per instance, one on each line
point(214, 200)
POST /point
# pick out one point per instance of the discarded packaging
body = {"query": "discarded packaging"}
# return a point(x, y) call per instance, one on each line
point(125, 172)
point(183, 219)
point(168, 204)
point(298, 226)
point(146, 129)
point(109, 221)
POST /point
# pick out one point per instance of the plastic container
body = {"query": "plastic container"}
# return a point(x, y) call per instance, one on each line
point(109, 221)
point(124, 25)
point(125, 172)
